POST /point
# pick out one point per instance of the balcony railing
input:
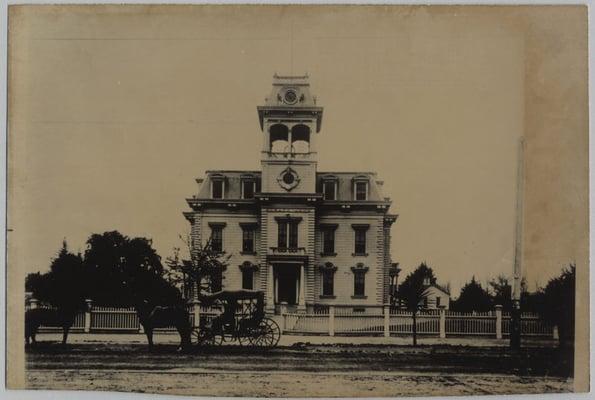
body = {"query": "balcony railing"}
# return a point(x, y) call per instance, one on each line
point(287, 251)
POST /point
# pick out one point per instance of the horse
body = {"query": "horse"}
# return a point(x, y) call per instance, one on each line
point(54, 317)
point(163, 317)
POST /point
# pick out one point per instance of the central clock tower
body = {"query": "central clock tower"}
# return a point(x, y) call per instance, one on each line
point(290, 121)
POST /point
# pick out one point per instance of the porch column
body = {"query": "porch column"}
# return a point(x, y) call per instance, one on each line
point(302, 297)
point(270, 298)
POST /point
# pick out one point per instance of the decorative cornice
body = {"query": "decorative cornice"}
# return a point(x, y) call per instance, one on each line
point(360, 267)
point(328, 267)
point(360, 226)
point(248, 266)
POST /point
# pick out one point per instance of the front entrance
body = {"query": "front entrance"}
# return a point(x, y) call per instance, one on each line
point(287, 289)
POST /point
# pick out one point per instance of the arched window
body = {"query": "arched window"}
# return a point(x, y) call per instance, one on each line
point(300, 139)
point(279, 138)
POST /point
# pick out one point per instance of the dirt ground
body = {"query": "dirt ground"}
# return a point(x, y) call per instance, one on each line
point(298, 370)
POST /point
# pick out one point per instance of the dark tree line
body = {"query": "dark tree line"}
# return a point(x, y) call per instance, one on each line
point(555, 302)
point(115, 270)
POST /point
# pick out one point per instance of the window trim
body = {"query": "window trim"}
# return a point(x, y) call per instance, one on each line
point(244, 181)
point(327, 228)
point(249, 226)
point(360, 179)
point(359, 228)
point(359, 269)
point(221, 179)
point(327, 269)
point(217, 225)
point(288, 221)
point(246, 267)
point(335, 182)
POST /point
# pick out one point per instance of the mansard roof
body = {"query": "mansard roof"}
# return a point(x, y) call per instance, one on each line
point(233, 179)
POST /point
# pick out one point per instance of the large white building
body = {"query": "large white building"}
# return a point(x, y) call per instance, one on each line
point(304, 237)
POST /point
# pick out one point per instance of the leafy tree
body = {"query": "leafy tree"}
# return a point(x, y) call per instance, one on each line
point(411, 292)
point(64, 286)
point(199, 272)
point(126, 271)
point(557, 304)
point(473, 297)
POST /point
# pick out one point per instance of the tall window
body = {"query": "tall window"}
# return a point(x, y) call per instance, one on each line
point(248, 189)
point(328, 279)
point(217, 188)
point(438, 301)
point(293, 234)
point(329, 189)
point(328, 238)
point(328, 282)
point(361, 190)
point(328, 241)
point(217, 236)
point(248, 237)
point(248, 279)
point(359, 286)
point(248, 269)
point(288, 233)
point(360, 239)
point(359, 280)
point(216, 280)
point(282, 237)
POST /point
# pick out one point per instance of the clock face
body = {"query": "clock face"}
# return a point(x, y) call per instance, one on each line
point(288, 179)
point(290, 97)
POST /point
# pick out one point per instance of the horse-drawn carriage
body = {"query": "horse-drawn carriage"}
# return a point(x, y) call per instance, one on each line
point(242, 320)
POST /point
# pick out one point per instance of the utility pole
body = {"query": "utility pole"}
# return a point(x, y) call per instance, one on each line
point(515, 321)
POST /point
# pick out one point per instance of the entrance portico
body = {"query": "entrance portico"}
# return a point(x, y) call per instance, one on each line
point(287, 286)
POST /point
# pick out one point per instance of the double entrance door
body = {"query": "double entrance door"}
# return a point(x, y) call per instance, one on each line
point(287, 283)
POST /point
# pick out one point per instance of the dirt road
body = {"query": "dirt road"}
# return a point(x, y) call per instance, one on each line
point(298, 370)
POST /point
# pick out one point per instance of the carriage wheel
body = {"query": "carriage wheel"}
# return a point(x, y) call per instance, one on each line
point(245, 340)
point(203, 337)
point(267, 334)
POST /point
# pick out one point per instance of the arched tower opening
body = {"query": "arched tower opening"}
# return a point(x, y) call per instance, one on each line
point(300, 139)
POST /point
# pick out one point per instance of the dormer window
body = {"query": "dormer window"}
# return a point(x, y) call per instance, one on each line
point(329, 188)
point(248, 188)
point(360, 189)
point(217, 187)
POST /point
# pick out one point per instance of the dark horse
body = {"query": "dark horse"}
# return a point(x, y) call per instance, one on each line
point(152, 317)
point(54, 317)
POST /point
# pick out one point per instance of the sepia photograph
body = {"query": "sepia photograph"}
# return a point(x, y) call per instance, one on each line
point(298, 201)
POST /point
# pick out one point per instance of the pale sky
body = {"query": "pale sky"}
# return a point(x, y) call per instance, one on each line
point(116, 113)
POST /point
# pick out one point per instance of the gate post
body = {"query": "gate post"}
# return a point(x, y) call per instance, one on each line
point(442, 322)
point(89, 304)
point(386, 321)
point(195, 313)
point(331, 320)
point(498, 321)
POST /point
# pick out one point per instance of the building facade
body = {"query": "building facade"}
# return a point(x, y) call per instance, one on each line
point(305, 237)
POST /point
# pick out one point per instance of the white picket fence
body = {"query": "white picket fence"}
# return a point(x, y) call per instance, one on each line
point(120, 319)
point(379, 320)
point(333, 320)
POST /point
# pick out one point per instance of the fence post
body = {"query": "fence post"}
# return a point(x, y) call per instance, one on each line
point(89, 304)
point(555, 333)
point(498, 321)
point(33, 303)
point(442, 322)
point(331, 320)
point(386, 321)
point(196, 313)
